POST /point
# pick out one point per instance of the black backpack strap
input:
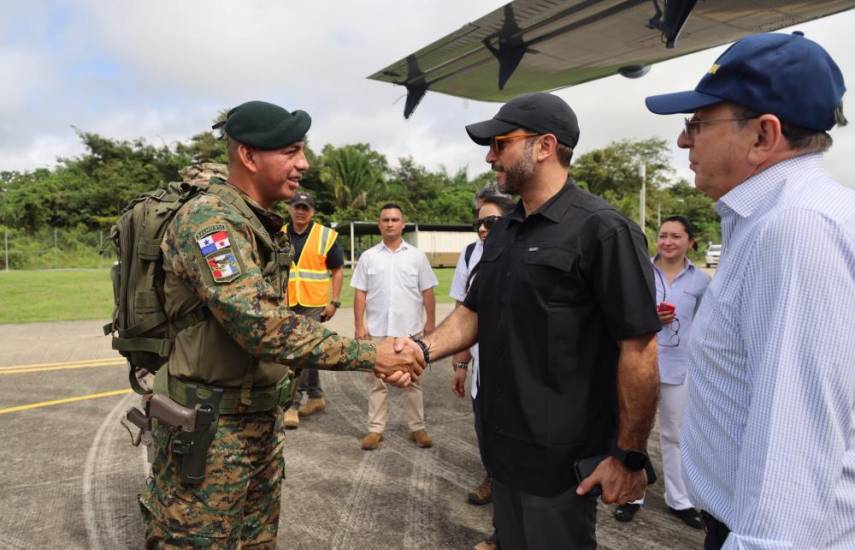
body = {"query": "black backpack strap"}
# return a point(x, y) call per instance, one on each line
point(468, 253)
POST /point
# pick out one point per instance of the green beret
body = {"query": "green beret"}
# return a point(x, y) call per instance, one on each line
point(265, 125)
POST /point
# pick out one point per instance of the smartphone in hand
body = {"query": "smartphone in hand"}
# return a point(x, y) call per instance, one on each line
point(666, 307)
point(585, 467)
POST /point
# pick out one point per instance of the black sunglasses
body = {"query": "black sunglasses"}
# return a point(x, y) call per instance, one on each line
point(488, 222)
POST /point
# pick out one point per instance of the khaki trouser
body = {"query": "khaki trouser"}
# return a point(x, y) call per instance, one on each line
point(378, 405)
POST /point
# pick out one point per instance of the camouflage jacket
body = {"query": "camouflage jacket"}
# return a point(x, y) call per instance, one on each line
point(225, 251)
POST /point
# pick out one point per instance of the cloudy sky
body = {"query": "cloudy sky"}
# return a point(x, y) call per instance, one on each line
point(162, 70)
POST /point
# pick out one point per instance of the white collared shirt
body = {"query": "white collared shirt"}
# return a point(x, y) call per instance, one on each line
point(393, 281)
point(768, 439)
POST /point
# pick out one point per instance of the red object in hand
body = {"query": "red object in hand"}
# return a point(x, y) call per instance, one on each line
point(666, 307)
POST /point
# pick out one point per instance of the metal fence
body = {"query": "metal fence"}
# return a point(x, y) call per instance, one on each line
point(58, 248)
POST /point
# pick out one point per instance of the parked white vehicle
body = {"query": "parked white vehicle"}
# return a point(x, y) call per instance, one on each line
point(713, 253)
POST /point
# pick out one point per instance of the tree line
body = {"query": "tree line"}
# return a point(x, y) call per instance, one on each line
point(350, 182)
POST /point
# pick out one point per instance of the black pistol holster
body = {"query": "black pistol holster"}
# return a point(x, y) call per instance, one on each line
point(192, 446)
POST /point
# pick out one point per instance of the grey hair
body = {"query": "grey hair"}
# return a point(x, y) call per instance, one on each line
point(803, 139)
point(489, 190)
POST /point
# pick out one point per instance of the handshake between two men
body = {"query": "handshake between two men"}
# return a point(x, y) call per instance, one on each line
point(399, 362)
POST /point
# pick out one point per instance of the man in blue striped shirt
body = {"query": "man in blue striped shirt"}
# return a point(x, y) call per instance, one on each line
point(769, 430)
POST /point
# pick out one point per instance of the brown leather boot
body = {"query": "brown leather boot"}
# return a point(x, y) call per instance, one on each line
point(371, 441)
point(313, 405)
point(482, 494)
point(292, 419)
point(421, 438)
point(487, 544)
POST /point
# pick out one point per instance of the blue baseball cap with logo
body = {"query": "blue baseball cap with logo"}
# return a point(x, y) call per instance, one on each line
point(786, 75)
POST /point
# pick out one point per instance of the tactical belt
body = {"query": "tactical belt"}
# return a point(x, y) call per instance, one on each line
point(261, 399)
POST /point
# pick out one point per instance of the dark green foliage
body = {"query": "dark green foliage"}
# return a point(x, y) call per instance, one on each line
point(89, 190)
point(613, 173)
point(350, 182)
point(204, 147)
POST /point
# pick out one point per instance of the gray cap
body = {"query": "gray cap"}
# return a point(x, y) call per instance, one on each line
point(303, 198)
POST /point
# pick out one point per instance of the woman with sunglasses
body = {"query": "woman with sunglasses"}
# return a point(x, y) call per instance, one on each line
point(491, 208)
point(679, 288)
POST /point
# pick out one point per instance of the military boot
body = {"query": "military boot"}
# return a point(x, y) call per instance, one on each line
point(313, 405)
point(292, 419)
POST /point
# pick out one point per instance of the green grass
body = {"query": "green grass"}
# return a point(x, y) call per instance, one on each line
point(76, 294)
point(61, 295)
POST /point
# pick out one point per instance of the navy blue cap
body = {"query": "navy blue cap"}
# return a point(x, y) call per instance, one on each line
point(786, 75)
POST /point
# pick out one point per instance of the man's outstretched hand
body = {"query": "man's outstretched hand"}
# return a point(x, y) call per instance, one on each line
point(399, 361)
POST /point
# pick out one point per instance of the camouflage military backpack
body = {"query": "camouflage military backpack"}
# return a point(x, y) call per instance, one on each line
point(141, 331)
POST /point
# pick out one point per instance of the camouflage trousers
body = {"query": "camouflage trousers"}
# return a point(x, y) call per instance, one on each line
point(237, 506)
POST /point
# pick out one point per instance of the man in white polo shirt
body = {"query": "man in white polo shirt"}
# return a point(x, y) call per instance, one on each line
point(393, 281)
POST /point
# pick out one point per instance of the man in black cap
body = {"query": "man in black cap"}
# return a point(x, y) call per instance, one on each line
point(314, 290)
point(768, 440)
point(225, 260)
point(564, 312)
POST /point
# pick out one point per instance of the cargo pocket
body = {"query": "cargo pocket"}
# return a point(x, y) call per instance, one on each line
point(214, 509)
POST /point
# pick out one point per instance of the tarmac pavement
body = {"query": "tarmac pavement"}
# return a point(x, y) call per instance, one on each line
point(70, 475)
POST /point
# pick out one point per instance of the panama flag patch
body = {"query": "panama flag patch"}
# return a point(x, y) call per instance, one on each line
point(224, 267)
point(213, 242)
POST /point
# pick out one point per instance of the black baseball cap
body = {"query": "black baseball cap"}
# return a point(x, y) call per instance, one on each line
point(303, 198)
point(539, 112)
point(786, 75)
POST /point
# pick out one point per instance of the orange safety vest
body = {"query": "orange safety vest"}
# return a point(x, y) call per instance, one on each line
point(308, 278)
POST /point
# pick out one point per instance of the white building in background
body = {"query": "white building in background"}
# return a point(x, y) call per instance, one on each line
point(441, 243)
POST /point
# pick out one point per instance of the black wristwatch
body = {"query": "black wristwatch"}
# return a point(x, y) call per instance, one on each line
point(634, 460)
point(335, 304)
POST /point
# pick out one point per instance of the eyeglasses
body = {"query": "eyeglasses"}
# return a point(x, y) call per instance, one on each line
point(497, 143)
point(693, 126)
point(487, 222)
point(674, 339)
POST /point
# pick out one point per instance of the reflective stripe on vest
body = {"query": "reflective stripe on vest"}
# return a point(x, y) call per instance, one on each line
point(309, 279)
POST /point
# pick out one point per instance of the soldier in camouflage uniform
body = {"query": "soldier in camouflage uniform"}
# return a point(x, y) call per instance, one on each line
point(226, 264)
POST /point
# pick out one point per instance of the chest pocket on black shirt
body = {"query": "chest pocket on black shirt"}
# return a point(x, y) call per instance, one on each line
point(551, 274)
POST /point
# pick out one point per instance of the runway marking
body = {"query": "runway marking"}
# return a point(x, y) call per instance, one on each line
point(63, 401)
point(421, 514)
point(43, 367)
point(100, 510)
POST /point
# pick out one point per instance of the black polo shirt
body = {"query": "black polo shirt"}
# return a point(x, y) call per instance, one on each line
point(554, 294)
point(335, 257)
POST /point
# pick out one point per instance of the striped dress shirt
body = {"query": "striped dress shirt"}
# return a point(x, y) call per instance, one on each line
point(769, 431)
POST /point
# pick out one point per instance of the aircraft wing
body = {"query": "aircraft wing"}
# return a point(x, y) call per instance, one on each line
point(542, 45)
